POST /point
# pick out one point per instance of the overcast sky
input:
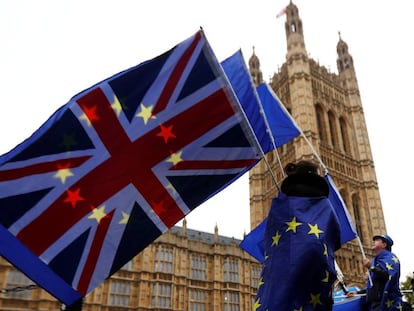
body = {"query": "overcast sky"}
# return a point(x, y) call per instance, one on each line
point(52, 50)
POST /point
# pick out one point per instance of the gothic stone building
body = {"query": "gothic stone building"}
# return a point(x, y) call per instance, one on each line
point(190, 270)
point(183, 269)
point(328, 109)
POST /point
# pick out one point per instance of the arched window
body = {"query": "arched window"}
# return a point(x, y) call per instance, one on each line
point(344, 135)
point(356, 206)
point(320, 123)
point(333, 129)
point(346, 63)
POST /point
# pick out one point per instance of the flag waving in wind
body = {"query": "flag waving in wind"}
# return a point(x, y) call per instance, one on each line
point(269, 120)
point(281, 13)
point(281, 125)
point(253, 243)
point(348, 230)
point(117, 166)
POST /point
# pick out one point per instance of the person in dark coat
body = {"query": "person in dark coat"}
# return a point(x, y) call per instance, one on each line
point(302, 233)
point(383, 291)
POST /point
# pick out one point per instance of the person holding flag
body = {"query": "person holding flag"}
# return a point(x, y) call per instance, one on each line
point(301, 235)
point(383, 291)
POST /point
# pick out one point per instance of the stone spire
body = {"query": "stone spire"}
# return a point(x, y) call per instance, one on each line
point(345, 66)
point(254, 68)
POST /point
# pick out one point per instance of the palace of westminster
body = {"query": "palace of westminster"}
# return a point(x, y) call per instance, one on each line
point(186, 269)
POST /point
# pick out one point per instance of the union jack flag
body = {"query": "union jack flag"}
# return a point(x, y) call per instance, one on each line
point(118, 165)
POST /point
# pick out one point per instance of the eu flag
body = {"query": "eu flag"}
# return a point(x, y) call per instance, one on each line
point(281, 125)
point(299, 244)
point(118, 165)
point(389, 262)
point(253, 242)
point(269, 119)
point(348, 230)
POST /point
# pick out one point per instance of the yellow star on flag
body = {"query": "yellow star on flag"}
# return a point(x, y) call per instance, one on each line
point(256, 304)
point(300, 309)
point(116, 106)
point(314, 230)
point(175, 158)
point(276, 238)
point(326, 279)
point(325, 249)
point(125, 218)
point(389, 303)
point(98, 213)
point(315, 300)
point(292, 225)
point(146, 113)
point(260, 283)
point(62, 174)
point(395, 259)
point(389, 266)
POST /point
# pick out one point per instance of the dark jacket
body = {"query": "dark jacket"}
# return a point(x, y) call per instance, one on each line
point(384, 293)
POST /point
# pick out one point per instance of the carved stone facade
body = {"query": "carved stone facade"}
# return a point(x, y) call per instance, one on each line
point(184, 269)
point(328, 109)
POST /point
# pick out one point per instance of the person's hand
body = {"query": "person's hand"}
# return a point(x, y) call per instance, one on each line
point(350, 294)
point(367, 263)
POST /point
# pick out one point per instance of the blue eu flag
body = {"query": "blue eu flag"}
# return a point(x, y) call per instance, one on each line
point(299, 244)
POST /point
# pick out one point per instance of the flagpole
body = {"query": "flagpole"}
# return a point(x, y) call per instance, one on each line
point(272, 138)
point(364, 257)
point(246, 119)
point(340, 277)
point(280, 163)
point(269, 130)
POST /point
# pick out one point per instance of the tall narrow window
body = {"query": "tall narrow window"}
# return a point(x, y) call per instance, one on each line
point(198, 267)
point(320, 123)
point(255, 276)
point(344, 135)
point(231, 301)
point(356, 210)
point(164, 259)
point(333, 129)
point(231, 270)
point(120, 293)
point(161, 295)
point(346, 63)
point(197, 300)
point(17, 279)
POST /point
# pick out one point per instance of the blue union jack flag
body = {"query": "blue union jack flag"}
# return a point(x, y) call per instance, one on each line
point(117, 166)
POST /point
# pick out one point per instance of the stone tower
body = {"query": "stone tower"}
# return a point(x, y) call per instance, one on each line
point(328, 109)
